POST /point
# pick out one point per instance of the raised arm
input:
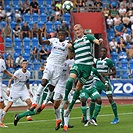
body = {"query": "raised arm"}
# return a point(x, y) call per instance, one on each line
point(98, 41)
point(40, 38)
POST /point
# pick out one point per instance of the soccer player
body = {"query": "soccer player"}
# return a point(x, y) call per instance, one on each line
point(2, 71)
point(106, 67)
point(20, 88)
point(59, 95)
point(54, 66)
point(90, 90)
point(82, 48)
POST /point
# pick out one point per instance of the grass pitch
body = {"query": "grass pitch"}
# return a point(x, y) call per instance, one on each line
point(45, 122)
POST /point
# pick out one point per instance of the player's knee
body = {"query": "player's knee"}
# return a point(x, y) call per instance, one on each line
point(69, 82)
point(83, 101)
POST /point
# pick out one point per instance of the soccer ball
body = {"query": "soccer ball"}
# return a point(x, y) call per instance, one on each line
point(67, 6)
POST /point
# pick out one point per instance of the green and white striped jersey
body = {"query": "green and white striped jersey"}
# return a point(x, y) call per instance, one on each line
point(82, 47)
point(90, 80)
point(104, 66)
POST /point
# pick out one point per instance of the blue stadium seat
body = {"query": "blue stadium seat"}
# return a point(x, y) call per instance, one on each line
point(36, 65)
point(118, 72)
point(34, 42)
point(56, 23)
point(12, 24)
point(16, 55)
point(26, 41)
point(26, 56)
point(49, 25)
point(8, 42)
point(17, 41)
point(17, 49)
point(27, 17)
point(124, 63)
point(125, 73)
point(49, 2)
point(27, 49)
point(129, 31)
point(35, 17)
point(66, 17)
point(31, 24)
point(15, 2)
point(40, 24)
point(114, 56)
point(43, 17)
point(42, 9)
point(41, 2)
point(131, 64)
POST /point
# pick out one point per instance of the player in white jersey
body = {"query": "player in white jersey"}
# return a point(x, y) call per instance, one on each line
point(2, 71)
point(54, 66)
point(20, 88)
point(60, 93)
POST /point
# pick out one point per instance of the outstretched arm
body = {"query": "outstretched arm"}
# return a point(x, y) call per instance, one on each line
point(40, 38)
point(98, 41)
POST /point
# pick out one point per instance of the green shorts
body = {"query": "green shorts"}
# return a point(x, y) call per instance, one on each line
point(82, 72)
point(100, 86)
point(92, 93)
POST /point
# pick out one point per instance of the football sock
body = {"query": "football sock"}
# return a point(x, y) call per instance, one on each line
point(27, 113)
point(62, 116)
point(114, 108)
point(69, 85)
point(57, 114)
point(97, 110)
point(84, 112)
point(75, 97)
point(1, 110)
point(92, 107)
point(66, 119)
point(49, 95)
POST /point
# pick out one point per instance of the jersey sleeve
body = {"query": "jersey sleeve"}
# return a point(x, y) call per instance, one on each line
point(95, 72)
point(52, 40)
point(110, 63)
point(90, 38)
point(3, 65)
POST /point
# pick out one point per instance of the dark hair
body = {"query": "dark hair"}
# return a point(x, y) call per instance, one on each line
point(104, 48)
point(62, 31)
point(24, 61)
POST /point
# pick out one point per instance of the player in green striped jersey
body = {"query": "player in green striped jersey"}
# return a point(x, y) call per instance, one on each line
point(106, 67)
point(82, 49)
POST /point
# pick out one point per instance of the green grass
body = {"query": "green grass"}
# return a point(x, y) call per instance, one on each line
point(45, 122)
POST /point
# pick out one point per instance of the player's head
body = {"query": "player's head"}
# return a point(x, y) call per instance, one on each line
point(78, 29)
point(103, 52)
point(24, 64)
point(62, 35)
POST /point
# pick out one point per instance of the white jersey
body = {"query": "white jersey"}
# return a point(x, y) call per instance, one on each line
point(59, 52)
point(22, 77)
point(60, 87)
point(2, 68)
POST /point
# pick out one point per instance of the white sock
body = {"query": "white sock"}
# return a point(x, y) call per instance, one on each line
point(66, 119)
point(49, 95)
point(57, 114)
point(3, 114)
point(38, 93)
point(1, 110)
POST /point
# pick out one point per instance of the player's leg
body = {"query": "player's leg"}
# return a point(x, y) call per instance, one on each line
point(57, 100)
point(114, 109)
point(113, 105)
point(95, 96)
point(38, 93)
point(83, 98)
point(5, 110)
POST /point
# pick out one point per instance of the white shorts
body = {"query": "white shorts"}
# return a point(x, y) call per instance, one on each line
point(52, 73)
point(16, 94)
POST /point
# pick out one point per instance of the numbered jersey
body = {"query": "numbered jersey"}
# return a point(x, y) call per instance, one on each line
point(2, 68)
point(59, 52)
point(22, 78)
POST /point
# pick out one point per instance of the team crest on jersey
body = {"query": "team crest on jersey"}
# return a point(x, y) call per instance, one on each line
point(63, 44)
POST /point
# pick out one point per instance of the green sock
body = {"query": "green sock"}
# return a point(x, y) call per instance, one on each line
point(75, 97)
point(42, 98)
point(69, 85)
point(97, 110)
point(114, 108)
point(27, 113)
point(62, 116)
point(84, 111)
point(92, 107)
